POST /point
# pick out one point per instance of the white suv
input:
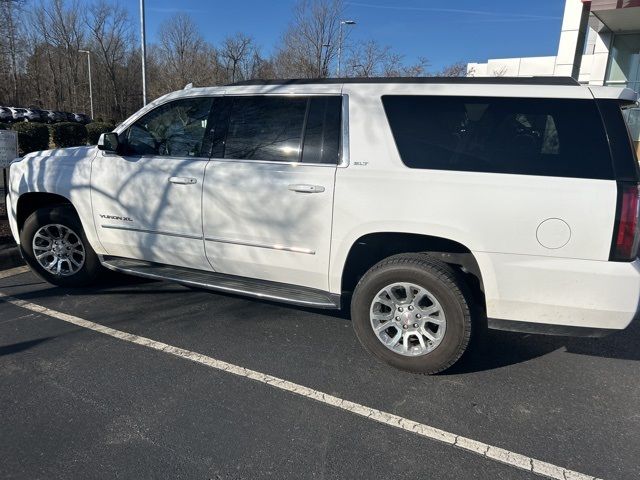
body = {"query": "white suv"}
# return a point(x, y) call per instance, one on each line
point(431, 207)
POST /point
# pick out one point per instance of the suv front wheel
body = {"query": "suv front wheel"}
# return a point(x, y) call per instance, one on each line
point(413, 312)
point(56, 248)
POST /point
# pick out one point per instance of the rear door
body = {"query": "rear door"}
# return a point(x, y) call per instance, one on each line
point(268, 192)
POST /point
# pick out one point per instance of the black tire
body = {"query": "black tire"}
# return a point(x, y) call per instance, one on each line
point(63, 215)
point(441, 281)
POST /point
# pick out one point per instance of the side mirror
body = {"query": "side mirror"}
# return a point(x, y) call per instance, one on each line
point(108, 142)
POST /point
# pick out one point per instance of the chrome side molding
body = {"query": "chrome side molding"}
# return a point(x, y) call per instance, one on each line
point(154, 232)
point(262, 245)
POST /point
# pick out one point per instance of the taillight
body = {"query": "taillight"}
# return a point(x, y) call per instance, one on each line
point(626, 233)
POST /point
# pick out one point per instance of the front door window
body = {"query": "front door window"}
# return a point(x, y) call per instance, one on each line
point(176, 129)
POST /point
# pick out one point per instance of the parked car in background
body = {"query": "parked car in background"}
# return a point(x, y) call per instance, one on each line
point(54, 116)
point(5, 115)
point(48, 116)
point(35, 115)
point(19, 114)
point(69, 117)
point(81, 118)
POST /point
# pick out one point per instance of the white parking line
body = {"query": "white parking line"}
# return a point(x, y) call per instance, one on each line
point(499, 454)
point(13, 271)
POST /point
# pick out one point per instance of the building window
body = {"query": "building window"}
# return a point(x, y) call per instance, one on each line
point(624, 61)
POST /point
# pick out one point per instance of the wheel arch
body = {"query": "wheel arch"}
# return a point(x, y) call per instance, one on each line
point(371, 248)
point(31, 201)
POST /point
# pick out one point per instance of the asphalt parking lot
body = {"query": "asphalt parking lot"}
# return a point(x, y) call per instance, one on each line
point(81, 403)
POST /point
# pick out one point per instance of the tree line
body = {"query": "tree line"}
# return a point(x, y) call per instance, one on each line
point(41, 64)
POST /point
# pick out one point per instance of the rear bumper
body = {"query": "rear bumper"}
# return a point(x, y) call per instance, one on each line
point(559, 295)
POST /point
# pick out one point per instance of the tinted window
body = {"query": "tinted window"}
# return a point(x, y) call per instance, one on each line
point(288, 129)
point(563, 138)
point(174, 129)
point(266, 128)
point(322, 133)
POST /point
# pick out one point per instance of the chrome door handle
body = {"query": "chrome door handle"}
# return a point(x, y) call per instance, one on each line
point(304, 188)
point(183, 180)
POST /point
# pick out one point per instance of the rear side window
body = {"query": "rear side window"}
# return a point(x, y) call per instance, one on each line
point(322, 132)
point(283, 129)
point(550, 137)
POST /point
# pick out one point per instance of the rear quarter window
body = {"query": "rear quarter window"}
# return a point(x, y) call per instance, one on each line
point(547, 137)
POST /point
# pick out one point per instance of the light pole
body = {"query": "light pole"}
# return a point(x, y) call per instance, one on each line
point(342, 22)
point(144, 55)
point(90, 86)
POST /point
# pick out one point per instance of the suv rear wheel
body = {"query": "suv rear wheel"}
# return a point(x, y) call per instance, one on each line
point(56, 248)
point(413, 312)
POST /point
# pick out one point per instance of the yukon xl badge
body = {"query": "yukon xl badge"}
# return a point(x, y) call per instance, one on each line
point(116, 217)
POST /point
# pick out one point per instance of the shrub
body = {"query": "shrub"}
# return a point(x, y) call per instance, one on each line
point(95, 129)
point(67, 134)
point(32, 136)
point(4, 126)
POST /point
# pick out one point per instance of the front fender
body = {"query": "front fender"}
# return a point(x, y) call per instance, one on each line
point(65, 172)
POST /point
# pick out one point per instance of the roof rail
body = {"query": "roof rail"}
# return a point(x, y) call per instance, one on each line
point(554, 81)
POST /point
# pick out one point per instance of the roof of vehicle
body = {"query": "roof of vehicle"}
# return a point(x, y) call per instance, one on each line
point(525, 87)
point(439, 80)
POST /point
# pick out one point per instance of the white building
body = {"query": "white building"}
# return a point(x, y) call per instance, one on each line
point(599, 45)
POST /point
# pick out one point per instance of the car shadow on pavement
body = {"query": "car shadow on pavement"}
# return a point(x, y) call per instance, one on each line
point(21, 346)
point(502, 349)
point(499, 348)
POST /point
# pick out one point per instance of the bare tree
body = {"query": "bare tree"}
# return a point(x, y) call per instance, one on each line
point(111, 38)
point(370, 59)
point(10, 42)
point(59, 29)
point(184, 55)
point(310, 43)
point(366, 59)
point(458, 69)
point(396, 67)
point(40, 63)
point(235, 53)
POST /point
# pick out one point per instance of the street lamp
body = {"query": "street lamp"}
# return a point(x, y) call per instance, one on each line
point(144, 54)
point(342, 22)
point(90, 86)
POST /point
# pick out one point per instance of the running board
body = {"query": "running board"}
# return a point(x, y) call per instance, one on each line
point(263, 289)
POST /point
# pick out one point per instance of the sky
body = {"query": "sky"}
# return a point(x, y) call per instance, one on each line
point(443, 31)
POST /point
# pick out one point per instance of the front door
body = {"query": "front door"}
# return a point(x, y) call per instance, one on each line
point(147, 200)
point(268, 193)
